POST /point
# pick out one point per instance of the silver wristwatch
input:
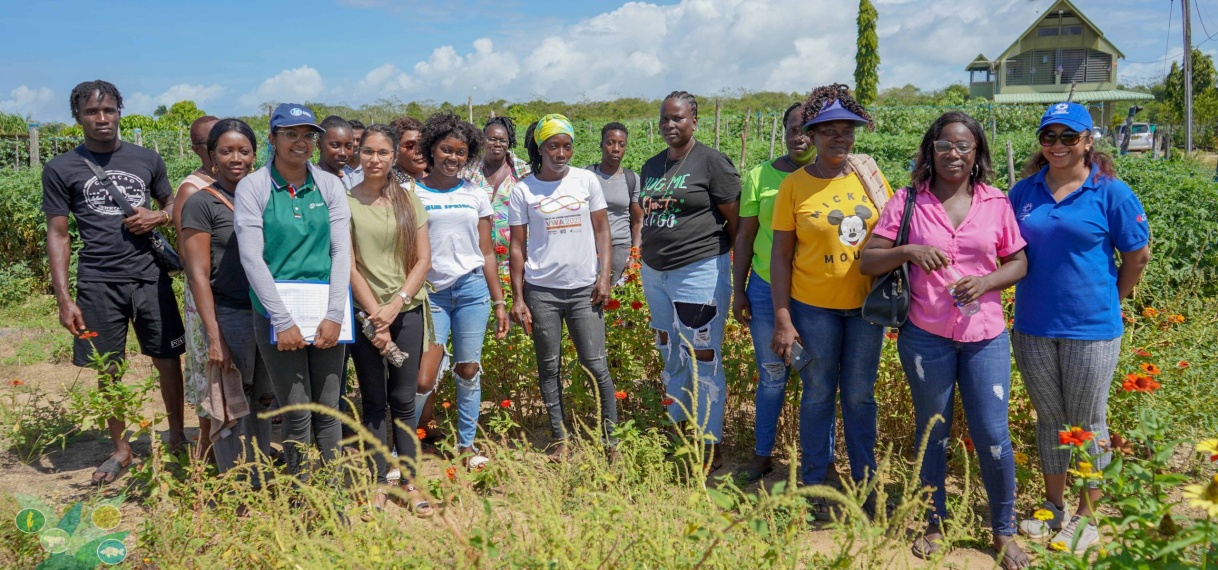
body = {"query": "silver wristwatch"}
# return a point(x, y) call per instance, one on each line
point(405, 298)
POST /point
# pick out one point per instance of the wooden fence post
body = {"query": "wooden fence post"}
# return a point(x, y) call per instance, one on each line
point(35, 160)
point(138, 139)
point(181, 153)
point(1010, 165)
point(773, 136)
point(718, 111)
point(651, 137)
point(744, 138)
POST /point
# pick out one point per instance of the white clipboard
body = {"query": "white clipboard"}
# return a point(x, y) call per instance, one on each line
point(307, 302)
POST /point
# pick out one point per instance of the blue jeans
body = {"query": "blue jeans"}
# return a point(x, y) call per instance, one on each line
point(845, 355)
point(462, 310)
point(935, 366)
point(690, 305)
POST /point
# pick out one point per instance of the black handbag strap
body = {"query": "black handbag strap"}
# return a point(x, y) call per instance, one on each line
point(903, 232)
point(111, 187)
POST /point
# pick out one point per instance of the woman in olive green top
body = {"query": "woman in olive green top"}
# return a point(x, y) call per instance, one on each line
point(392, 254)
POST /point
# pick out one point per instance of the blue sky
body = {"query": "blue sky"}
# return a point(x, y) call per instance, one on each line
point(231, 56)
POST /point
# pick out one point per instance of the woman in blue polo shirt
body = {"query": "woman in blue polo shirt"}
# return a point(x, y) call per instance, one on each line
point(1075, 215)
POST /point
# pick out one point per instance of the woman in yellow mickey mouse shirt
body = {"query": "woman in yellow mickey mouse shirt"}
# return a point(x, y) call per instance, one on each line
point(822, 217)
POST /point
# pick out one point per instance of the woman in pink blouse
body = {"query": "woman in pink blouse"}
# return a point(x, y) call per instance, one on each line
point(956, 337)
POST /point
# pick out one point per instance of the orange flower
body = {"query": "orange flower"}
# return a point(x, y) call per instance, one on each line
point(1139, 383)
point(14, 383)
point(1149, 368)
point(451, 473)
point(968, 445)
point(1076, 436)
point(636, 305)
point(635, 253)
point(1175, 319)
point(1126, 318)
point(613, 305)
point(1182, 364)
point(666, 401)
point(1120, 444)
point(85, 335)
point(620, 394)
point(1150, 312)
point(421, 433)
point(1141, 352)
point(505, 404)
point(890, 335)
point(636, 266)
point(445, 405)
point(144, 424)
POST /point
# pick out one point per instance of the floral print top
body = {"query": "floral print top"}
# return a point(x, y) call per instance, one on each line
point(499, 198)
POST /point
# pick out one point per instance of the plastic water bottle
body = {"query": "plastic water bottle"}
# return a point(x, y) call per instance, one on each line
point(967, 309)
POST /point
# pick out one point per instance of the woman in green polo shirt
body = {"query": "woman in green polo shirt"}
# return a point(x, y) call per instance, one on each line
point(293, 225)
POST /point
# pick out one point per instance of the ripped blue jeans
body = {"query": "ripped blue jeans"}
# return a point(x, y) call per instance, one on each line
point(462, 309)
point(935, 367)
point(690, 305)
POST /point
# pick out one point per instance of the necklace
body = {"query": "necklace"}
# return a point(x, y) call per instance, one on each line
point(680, 163)
point(821, 173)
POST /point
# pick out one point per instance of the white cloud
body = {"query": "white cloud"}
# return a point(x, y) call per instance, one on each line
point(39, 103)
point(288, 86)
point(145, 104)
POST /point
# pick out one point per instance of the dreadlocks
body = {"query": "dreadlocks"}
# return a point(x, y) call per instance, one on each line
point(83, 91)
point(687, 98)
point(824, 96)
point(508, 125)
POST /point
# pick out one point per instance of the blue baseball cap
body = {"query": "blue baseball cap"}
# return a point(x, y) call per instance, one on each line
point(1072, 115)
point(836, 112)
point(293, 115)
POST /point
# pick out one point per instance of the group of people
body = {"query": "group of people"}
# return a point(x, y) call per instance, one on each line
point(412, 223)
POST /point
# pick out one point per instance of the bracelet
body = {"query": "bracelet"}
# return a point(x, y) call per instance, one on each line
point(499, 302)
point(168, 219)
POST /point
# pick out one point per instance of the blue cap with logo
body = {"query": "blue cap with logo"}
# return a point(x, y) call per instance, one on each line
point(293, 115)
point(1072, 115)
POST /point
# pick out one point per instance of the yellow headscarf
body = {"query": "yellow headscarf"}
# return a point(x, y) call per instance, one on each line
point(550, 125)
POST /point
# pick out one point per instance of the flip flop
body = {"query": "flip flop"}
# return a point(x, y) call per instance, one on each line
point(421, 508)
point(110, 470)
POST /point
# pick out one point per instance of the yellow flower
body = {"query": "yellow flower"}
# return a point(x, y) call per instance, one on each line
point(1150, 312)
point(1204, 496)
point(1021, 458)
point(1208, 447)
point(1085, 471)
point(1057, 545)
point(1042, 515)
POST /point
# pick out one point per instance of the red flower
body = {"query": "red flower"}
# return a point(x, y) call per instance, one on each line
point(1149, 368)
point(505, 404)
point(1135, 382)
point(1075, 436)
point(421, 433)
point(1182, 364)
point(666, 401)
point(890, 335)
point(85, 335)
point(501, 250)
point(636, 305)
point(620, 394)
point(613, 305)
point(968, 444)
point(1141, 352)
point(15, 383)
point(451, 472)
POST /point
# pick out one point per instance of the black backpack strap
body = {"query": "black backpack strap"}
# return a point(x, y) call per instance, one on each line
point(632, 181)
point(111, 187)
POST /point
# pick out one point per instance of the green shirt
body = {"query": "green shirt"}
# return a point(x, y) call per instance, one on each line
point(759, 187)
point(296, 231)
point(374, 233)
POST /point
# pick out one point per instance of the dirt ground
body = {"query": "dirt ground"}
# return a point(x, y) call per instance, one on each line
point(62, 478)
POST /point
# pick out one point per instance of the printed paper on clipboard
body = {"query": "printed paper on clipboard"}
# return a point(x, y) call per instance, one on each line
point(307, 302)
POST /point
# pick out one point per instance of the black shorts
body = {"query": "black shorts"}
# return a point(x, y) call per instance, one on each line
point(107, 308)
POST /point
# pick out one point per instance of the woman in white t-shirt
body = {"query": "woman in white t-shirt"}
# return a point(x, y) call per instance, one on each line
point(559, 223)
point(462, 265)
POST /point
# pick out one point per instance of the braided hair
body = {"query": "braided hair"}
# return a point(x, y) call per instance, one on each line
point(825, 95)
point(686, 97)
point(508, 125)
point(530, 147)
point(84, 90)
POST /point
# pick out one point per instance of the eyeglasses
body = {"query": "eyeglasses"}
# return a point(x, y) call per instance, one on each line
point(963, 147)
point(834, 133)
point(383, 153)
point(496, 140)
point(1067, 137)
point(293, 136)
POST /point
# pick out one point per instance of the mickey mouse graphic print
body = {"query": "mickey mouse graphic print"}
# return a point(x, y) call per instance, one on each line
point(831, 220)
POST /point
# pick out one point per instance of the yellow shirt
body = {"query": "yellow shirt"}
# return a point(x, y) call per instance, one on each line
point(831, 220)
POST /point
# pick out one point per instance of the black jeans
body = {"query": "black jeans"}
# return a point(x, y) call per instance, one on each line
point(383, 386)
point(586, 324)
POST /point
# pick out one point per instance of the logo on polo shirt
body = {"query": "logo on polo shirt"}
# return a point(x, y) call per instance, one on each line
point(1025, 211)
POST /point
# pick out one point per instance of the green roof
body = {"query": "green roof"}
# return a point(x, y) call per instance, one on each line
point(1079, 96)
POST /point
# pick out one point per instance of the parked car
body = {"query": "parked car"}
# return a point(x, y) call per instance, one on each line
point(1141, 140)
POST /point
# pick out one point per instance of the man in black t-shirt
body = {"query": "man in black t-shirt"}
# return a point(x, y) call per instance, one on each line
point(118, 280)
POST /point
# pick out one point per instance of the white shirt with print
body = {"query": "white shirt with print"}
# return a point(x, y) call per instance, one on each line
point(452, 225)
point(561, 245)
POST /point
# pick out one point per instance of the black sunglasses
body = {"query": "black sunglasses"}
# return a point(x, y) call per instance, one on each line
point(1068, 138)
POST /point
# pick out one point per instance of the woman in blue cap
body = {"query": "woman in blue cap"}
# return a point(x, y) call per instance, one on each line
point(292, 222)
point(823, 214)
point(1075, 215)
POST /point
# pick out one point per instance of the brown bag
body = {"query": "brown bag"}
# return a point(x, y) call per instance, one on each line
point(871, 177)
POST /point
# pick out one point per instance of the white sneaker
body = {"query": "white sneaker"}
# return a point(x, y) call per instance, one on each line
point(1074, 536)
point(1036, 528)
point(394, 475)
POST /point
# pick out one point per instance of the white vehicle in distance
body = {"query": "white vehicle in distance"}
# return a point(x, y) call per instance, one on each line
point(1142, 139)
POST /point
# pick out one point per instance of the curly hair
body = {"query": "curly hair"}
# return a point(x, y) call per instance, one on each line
point(924, 164)
point(685, 97)
point(404, 214)
point(84, 90)
point(405, 123)
point(508, 125)
point(614, 126)
point(825, 95)
point(444, 125)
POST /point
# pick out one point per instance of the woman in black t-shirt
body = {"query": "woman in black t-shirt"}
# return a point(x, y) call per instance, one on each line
point(690, 200)
point(221, 293)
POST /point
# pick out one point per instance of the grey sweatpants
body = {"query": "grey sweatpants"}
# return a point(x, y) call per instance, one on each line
point(1068, 382)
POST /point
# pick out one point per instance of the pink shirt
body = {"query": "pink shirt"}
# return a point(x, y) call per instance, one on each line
point(988, 232)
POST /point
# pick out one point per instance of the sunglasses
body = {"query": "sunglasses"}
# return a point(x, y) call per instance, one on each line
point(1067, 137)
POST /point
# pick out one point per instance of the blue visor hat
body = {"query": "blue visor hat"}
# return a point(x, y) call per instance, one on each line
point(836, 112)
point(293, 115)
point(1072, 115)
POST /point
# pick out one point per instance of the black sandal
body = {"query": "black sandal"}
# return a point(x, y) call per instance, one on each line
point(110, 469)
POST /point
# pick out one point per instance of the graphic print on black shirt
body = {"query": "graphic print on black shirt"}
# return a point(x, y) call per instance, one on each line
point(110, 252)
point(680, 200)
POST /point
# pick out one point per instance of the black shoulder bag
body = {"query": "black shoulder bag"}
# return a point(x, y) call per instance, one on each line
point(888, 302)
point(164, 255)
